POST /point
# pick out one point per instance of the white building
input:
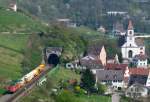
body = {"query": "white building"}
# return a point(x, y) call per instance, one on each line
point(136, 91)
point(131, 46)
point(113, 78)
point(13, 6)
point(148, 80)
point(140, 61)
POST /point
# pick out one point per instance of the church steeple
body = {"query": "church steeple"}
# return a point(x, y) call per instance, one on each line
point(130, 31)
point(130, 26)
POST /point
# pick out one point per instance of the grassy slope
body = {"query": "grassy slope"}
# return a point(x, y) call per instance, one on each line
point(13, 43)
point(11, 47)
point(18, 22)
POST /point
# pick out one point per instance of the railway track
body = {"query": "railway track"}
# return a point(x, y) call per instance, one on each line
point(25, 90)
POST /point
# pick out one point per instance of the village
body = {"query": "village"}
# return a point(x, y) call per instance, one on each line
point(131, 76)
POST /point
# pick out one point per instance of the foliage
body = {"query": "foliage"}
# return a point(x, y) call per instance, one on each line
point(101, 88)
point(66, 96)
point(109, 44)
point(88, 80)
point(90, 13)
point(126, 99)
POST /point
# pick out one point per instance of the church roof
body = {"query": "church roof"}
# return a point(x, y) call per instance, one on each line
point(130, 26)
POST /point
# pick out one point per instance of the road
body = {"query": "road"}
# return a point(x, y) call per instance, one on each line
point(24, 90)
point(115, 97)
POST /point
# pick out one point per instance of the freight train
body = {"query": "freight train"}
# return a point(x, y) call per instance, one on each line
point(26, 79)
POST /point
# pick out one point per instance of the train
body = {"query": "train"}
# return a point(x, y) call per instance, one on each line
point(26, 79)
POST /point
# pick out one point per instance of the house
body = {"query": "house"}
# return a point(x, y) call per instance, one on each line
point(116, 13)
point(13, 6)
point(98, 51)
point(140, 61)
point(137, 90)
point(113, 78)
point(148, 80)
point(66, 22)
point(101, 29)
point(131, 47)
point(138, 75)
point(114, 60)
point(91, 62)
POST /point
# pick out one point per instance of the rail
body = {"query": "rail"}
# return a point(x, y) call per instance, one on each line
point(17, 95)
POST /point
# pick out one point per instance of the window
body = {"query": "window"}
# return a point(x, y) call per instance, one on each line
point(141, 48)
point(130, 32)
point(141, 52)
point(130, 54)
point(115, 76)
point(130, 45)
point(136, 89)
point(131, 89)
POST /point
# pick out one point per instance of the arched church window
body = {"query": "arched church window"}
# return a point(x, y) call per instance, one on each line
point(130, 54)
point(130, 45)
point(130, 32)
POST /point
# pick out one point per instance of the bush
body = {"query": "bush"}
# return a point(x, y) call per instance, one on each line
point(101, 88)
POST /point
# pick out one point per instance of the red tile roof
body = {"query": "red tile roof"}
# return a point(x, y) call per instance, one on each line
point(138, 71)
point(111, 66)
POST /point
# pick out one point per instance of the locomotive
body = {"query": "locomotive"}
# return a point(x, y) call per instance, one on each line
point(26, 79)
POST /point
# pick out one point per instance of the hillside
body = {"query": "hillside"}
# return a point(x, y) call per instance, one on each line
point(15, 29)
point(18, 22)
point(92, 13)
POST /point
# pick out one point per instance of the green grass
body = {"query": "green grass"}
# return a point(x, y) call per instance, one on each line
point(11, 47)
point(14, 42)
point(62, 73)
point(94, 98)
point(18, 22)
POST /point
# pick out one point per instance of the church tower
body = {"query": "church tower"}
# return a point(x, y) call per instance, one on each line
point(130, 33)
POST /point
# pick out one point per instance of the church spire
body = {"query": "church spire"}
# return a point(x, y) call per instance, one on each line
point(130, 26)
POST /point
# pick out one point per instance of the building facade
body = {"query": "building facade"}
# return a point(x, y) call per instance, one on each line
point(131, 48)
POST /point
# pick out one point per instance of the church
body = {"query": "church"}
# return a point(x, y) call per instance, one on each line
point(132, 47)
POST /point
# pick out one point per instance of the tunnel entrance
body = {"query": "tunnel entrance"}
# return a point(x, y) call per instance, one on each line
point(53, 59)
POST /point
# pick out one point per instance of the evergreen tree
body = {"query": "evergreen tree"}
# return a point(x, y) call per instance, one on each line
point(88, 80)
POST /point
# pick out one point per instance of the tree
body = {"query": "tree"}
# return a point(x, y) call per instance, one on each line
point(88, 80)
point(101, 88)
